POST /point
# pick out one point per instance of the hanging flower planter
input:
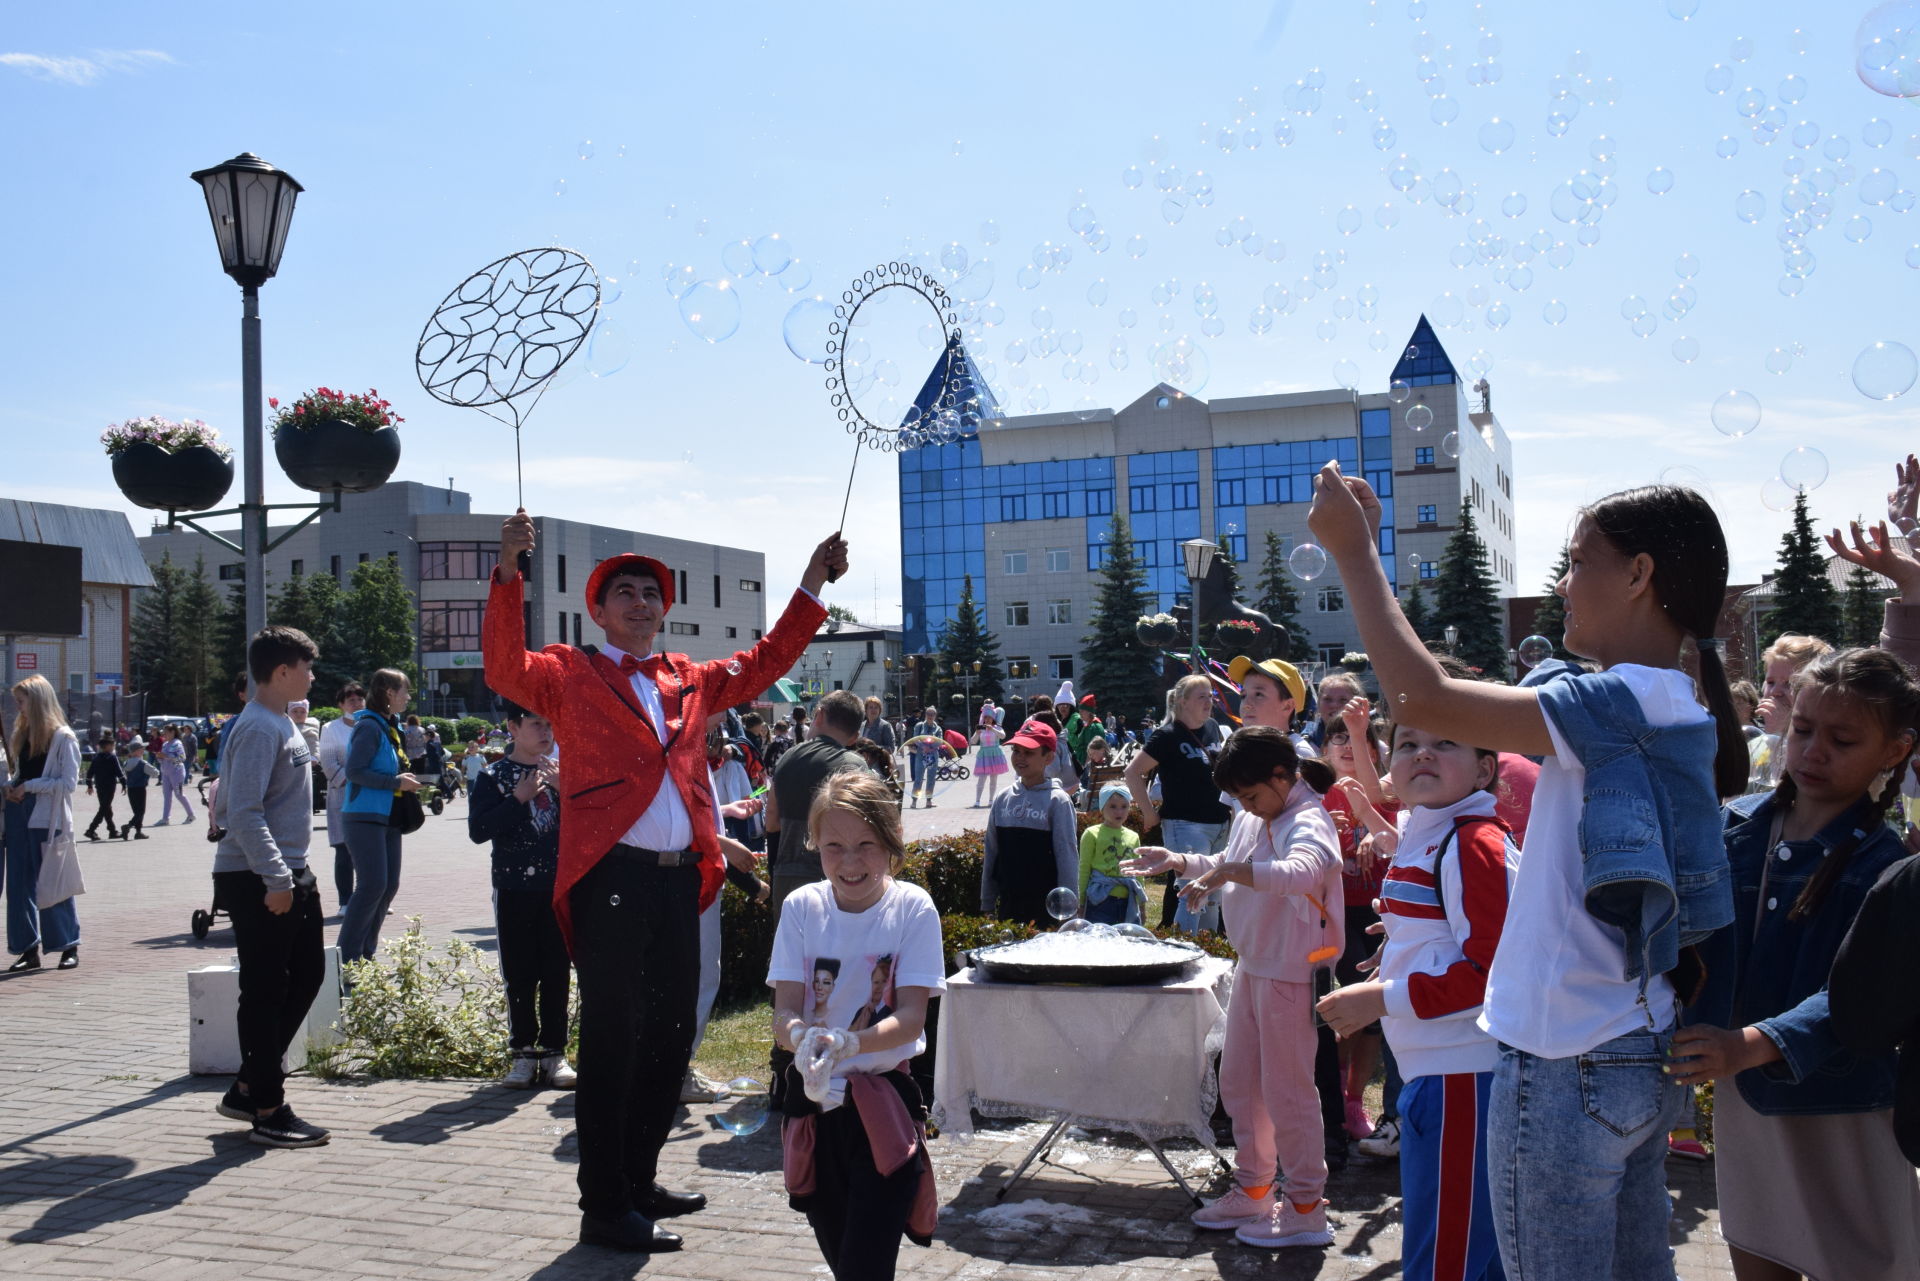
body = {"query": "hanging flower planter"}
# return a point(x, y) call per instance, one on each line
point(1157, 630)
point(329, 440)
point(169, 466)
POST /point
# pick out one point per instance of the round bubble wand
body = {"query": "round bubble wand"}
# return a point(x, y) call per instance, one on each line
point(504, 332)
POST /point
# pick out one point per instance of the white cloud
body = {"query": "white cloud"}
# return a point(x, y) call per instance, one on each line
point(83, 71)
point(1579, 374)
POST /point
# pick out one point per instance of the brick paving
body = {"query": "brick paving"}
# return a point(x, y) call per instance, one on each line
point(113, 1163)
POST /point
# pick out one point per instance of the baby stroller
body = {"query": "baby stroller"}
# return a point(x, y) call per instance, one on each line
point(202, 922)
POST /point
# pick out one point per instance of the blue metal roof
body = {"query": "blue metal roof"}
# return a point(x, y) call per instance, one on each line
point(109, 553)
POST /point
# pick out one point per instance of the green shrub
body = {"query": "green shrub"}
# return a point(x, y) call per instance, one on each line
point(472, 727)
point(323, 714)
point(446, 727)
point(948, 869)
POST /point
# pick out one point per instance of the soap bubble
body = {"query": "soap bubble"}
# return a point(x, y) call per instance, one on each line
point(975, 283)
point(1736, 413)
point(1555, 312)
point(1513, 205)
point(750, 1108)
point(771, 255)
point(1347, 221)
point(711, 309)
point(1885, 371)
point(1858, 228)
point(1719, 78)
point(1686, 266)
point(1777, 495)
point(1686, 350)
point(1097, 292)
point(1878, 186)
point(559, 186)
point(1913, 257)
point(1535, 650)
point(954, 257)
point(1419, 418)
point(1779, 360)
point(1660, 181)
point(1062, 903)
point(1887, 49)
point(1450, 444)
point(1750, 206)
point(1728, 147)
point(1307, 561)
point(1137, 247)
point(1346, 374)
point(737, 258)
point(797, 278)
point(1741, 49)
point(609, 350)
point(1804, 470)
point(1399, 391)
point(1495, 136)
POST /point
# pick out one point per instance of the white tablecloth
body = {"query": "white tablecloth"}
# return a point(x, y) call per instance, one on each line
point(1122, 1058)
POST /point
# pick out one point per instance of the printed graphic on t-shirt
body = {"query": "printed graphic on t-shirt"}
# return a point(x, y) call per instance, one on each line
point(853, 996)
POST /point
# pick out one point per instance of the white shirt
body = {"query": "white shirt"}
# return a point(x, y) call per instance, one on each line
point(1558, 986)
point(666, 825)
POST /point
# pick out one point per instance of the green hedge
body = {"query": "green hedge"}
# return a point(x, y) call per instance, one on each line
point(472, 727)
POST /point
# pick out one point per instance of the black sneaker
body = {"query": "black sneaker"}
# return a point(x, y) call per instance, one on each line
point(285, 1130)
point(235, 1106)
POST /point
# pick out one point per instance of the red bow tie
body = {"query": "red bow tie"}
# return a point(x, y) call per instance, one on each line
point(650, 665)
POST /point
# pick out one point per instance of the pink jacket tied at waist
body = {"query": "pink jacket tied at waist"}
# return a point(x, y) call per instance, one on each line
point(892, 1135)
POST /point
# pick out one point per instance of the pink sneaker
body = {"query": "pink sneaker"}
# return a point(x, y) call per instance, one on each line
point(1234, 1209)
point(1358, 1126)
point(1288, 1226)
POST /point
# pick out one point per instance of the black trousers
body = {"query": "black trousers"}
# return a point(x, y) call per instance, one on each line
point(137, 807)
point(533, 961)
point(858, 1214)
point(636, 947)
point(104, 791)
point(281, 964)
point(342, 874)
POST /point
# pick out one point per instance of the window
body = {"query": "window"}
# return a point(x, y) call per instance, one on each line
point(1016, 613)
point(682, 593)
point(1058, 561)
point(1229, 493)
point(576, 629)
point(1099, 502)
point(1059, 611)
point(465, 562)
point(1019, 669)
point(562, 636)
point(237, 573)
point(1331, 600)
point(716, 591)
point(1429, 569)
point(1142, 500)
point(1423, 456)
point(1237, 547)
point(1332, 654)
point(1054, 506)
point(749, 585)
point(299, 569)
point(1428, 513)
point(1013, 562)
point(333, 567)
point(1013, 507)
point(756, 633)
point(449, 625)
point(560, 575)
point(364, 558)
point(1060, 666)
point(683, 629)
point(1147, 552)
point(1186, 496)
point(733, 633)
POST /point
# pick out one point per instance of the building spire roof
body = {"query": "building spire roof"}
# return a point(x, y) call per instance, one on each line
point(1424, 361)
point(970, 391)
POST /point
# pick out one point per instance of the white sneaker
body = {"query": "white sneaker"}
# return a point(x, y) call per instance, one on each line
point(1288, 1226)
point(1383, 1142)
point(698, 1089)
point(1234, 1209)
point(554, 1070)
point(520, 1075)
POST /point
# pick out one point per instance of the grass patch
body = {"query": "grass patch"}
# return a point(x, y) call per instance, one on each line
point(738, 1042)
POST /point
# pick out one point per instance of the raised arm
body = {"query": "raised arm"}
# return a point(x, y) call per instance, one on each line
point(535, 681)
point(1346, 519)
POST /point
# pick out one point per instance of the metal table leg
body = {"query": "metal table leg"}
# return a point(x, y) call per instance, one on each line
point(1039, 1149)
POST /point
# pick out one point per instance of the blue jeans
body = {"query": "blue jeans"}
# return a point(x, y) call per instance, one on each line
point(51, 929)
point(1576, 1161)
point(1194, 838)
point(375, 848)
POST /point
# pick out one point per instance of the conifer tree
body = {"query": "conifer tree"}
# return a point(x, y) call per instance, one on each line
point(1280, 599)
point(1120, 671)
point(151, 666)
point(964, 639)
point(1417, 614)
point(1803, 601)
point(193, 657)
point(1861, 607)
point(1466, 597)
point(1550, 618)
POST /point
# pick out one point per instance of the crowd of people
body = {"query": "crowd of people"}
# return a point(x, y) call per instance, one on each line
point(1546, 913)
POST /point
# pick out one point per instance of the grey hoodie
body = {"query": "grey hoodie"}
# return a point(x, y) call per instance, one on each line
point(265, 803)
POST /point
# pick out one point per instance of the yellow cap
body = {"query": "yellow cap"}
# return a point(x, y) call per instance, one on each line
point(1279, 669)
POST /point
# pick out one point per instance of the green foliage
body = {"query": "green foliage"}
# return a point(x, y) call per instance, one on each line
point(965, 640)
point(1861, 607)
point(229, 649)
point(1280, 600)
point(449, 730)
point(312, 603)
point(170, 639)
point(376, 620)
point(1124, 673)
point(197, 615)
point(1550, 619)
point(469, 728)
point(323, 714)
point(1418, 616)
point(1804, 601)
point(1466, 596)
point(417, 1010)
point(842, 613)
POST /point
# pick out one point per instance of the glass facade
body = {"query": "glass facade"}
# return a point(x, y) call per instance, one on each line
point(1425, 362)
point(1163, 511)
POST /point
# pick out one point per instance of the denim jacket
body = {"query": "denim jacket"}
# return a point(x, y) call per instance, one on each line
point(1778, 982)
point(1652, 861)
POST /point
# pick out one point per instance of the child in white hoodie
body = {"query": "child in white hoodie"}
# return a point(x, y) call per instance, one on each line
point(1443, 903)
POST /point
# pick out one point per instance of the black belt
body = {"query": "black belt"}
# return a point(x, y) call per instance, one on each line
point(656, 858)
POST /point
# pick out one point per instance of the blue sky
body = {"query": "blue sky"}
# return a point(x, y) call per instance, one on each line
point(432, 139)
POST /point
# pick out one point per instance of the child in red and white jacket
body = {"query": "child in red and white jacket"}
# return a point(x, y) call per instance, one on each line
point(1281, 904)
point(1444, 902)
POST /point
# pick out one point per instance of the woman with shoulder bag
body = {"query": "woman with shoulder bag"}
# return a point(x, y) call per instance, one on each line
point(43, 868)
point(380, 806)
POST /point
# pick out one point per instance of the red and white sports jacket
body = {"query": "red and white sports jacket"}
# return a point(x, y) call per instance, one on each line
point(1443, 925)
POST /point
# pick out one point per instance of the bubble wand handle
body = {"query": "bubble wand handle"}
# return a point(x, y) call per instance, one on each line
point(858, 446)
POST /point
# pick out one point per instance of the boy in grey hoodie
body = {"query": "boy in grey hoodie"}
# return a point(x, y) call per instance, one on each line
point(264, 811)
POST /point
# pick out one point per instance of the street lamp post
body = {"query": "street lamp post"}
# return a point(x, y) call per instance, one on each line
point(419, 639)
point(1452, 635)
point(901, 672)
point(1198, 554)
point(966, 677)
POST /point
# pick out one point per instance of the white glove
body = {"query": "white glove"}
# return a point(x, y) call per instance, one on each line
point(819, 1051)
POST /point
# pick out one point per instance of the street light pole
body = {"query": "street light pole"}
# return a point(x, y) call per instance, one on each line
point(1198, 553)
point(253, 527)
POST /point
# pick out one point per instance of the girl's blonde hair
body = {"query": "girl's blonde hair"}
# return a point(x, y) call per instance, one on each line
point(39, 720)
point(1184, 687)
point(864, 796)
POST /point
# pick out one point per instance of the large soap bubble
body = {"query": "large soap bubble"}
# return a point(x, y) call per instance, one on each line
point(749, 1110)
point(1535, 650)
point(1885, 371)
point(1736, 413)
point(1804, 470)
point(1419, 418)
point(1062, 903)
point(1307, 561)
point(1886, 49)
point(711, 309)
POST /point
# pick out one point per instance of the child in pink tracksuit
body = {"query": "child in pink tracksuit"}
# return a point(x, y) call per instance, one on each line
point(1281, 873)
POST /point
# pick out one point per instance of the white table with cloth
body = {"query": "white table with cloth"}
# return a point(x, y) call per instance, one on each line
point(1132, 1059)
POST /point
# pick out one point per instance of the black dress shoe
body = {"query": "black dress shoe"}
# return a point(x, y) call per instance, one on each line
point(70, 959)
point(29, 960)
point(631, 1231)
point(658, 1203)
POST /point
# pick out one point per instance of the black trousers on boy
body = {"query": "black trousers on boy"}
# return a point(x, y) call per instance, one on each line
point(137, 809)
point(104, 791)
point(282, 962)
point(534, 964)
point(636, 948)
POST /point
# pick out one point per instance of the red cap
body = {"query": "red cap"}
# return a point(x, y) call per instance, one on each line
point(1036, 737)
point(631, 563)
point(1087, 701)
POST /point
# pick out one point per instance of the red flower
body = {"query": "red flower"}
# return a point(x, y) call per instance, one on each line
point(273, 402)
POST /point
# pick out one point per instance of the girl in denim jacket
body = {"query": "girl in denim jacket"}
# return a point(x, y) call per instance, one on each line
point(1621, 868)
point(1811, 1178)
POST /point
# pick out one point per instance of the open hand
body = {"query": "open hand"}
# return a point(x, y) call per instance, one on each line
point(744, 808)
point(1872, 549)
point(1151, 860)
point(1903, 502)
point(1345, 516)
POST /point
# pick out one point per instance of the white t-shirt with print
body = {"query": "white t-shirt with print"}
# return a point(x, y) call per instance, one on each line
point(852, 963)
point(1558, 986)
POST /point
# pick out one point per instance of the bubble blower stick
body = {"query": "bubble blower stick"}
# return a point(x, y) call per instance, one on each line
point(948, 406)
point(503, 333)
